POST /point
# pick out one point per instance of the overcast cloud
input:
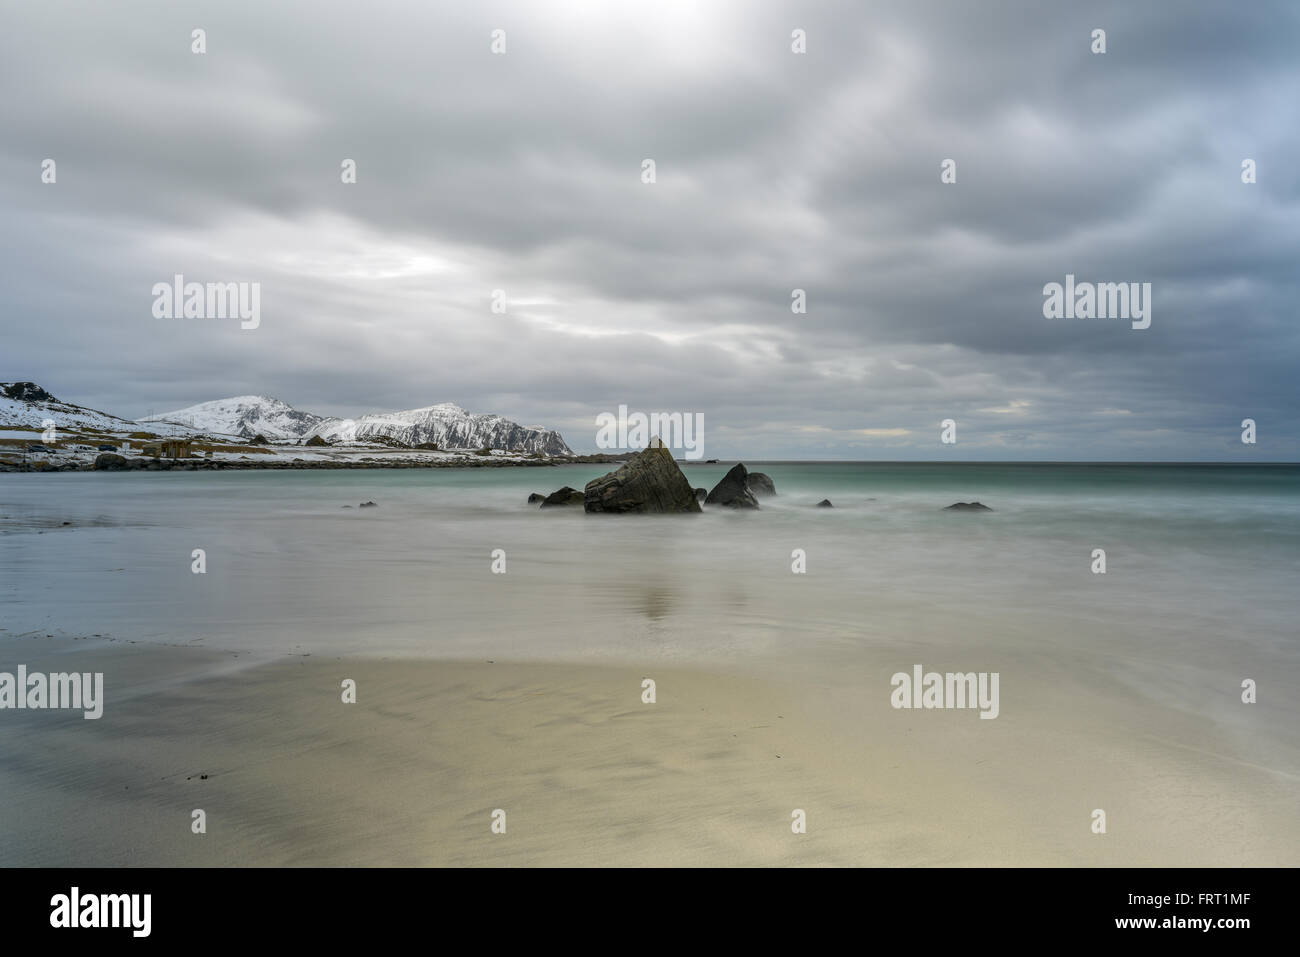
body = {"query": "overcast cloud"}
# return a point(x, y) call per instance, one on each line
point(775, 171)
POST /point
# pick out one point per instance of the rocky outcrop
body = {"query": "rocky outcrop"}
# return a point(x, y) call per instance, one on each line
point(111, 461)
point(535, 497)
point(967, 507)
point(650, 482)
point(701, 494)
point(25, 392)
point(733, 491)
point(563, 496)
point(825, 503)
point(761, 484)
point(316, 442)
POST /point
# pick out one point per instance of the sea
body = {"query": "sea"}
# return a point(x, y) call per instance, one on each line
point(1177, 583)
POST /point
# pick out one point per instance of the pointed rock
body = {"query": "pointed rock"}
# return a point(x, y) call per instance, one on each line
point(649, 482)
point(733, 491)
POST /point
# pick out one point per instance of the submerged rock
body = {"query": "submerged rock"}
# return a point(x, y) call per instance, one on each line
point(761, 484)
point(825, 503)
point(733, 491)
point(563, 496)
point(967, 507)
point(651, 481)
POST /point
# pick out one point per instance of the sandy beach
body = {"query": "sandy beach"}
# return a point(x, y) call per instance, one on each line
point(588, 774)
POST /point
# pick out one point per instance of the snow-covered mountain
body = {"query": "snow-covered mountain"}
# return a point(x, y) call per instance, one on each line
point(243, 415)
point(450, 426)
point(26, 403)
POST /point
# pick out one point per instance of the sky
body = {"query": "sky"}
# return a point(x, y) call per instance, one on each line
point(522, 171)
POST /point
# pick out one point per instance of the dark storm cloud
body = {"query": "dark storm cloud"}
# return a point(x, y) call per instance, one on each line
point(775, 171)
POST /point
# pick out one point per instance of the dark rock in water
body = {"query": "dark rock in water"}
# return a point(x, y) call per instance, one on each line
point(651, 481)
point(761, 484)
point(701, 494)
point(967, 507)
point(710, 461)
point(536, 497)
point(825, 503)
point(733, 491)
point(562, 496)
point(111, 461)
point(367, 505)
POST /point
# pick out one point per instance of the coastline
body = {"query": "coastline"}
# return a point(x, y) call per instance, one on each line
point(451, 461)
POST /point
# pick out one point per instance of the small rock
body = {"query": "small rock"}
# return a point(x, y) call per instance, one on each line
point(967, 507)
point(366, 505)
point(825, 503)
point(563, 496)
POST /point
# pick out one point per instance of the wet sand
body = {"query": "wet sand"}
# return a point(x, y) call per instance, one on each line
point(588, 774)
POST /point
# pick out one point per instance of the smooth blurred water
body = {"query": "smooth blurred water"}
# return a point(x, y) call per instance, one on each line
point(1202, 563)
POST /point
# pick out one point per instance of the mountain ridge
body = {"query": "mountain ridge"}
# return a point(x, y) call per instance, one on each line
point(445, 423)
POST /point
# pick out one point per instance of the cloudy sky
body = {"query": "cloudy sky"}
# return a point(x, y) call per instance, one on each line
point(774, 171)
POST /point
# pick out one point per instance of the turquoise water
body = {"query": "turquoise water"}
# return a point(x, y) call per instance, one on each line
point(1201, 560)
